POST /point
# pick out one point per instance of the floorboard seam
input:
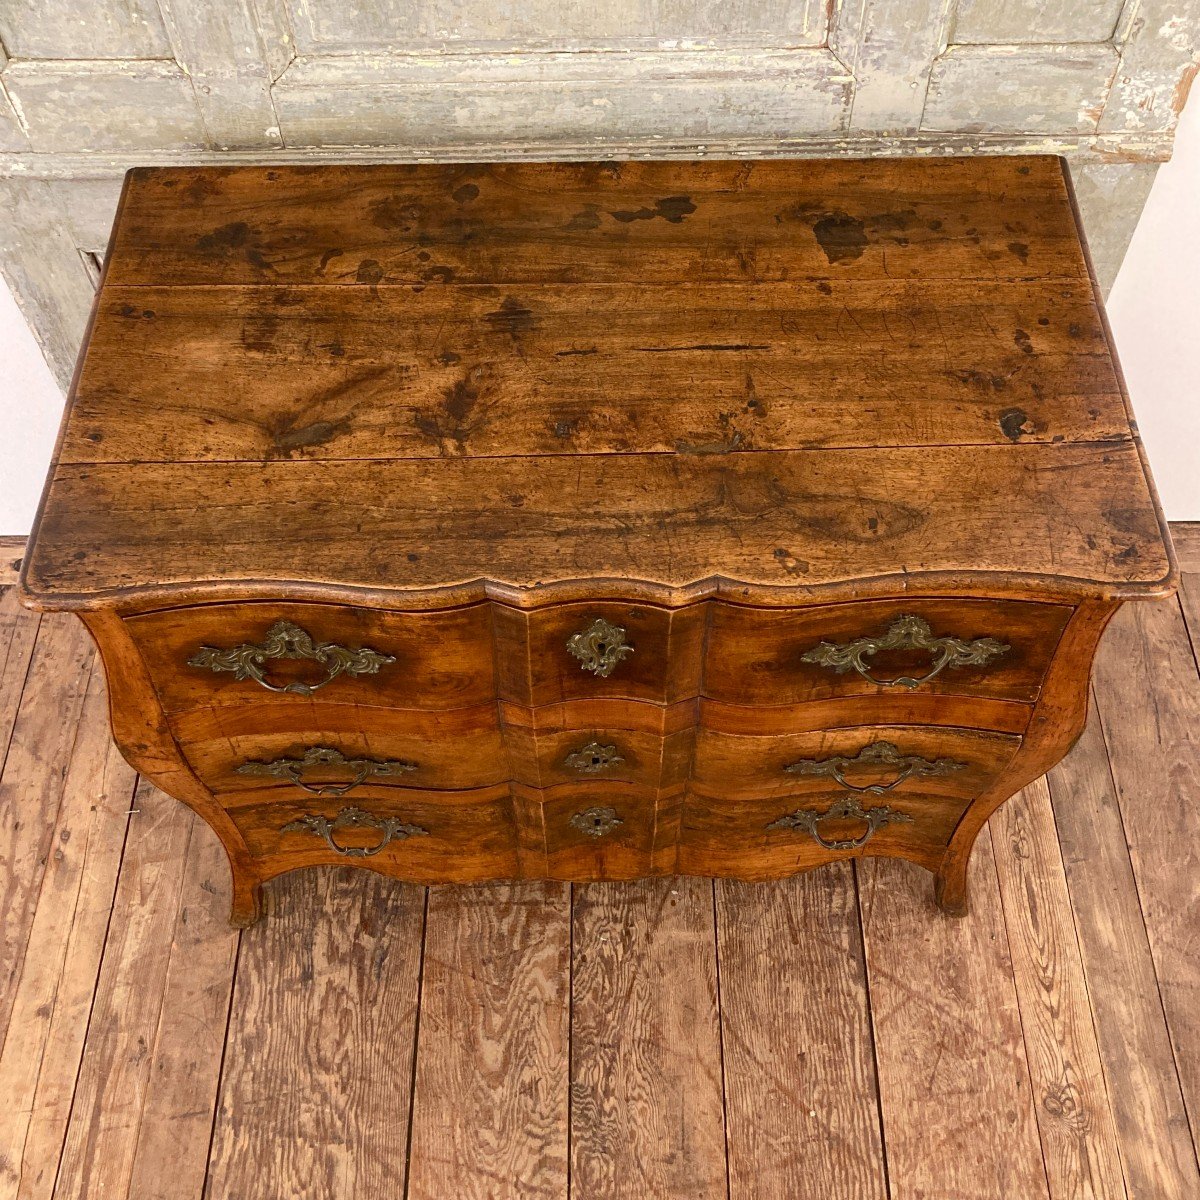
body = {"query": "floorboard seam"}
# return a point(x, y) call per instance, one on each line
point(412, 1089)
point(721, 1039)
point(162, 1003)
point(866, 978)
point(570, 1026)
point(1087, 986)
point(212, 1133)
point(1193, 1133)
point(21, 693)
point(1016, 991)
point(87, 1029)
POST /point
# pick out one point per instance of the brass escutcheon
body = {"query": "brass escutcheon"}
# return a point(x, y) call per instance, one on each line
point(599, 647)
point(596, 822)
point(593, 758)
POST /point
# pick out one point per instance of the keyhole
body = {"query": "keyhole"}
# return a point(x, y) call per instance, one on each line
point(597, 823)
point(602, 647)
point(596, 760)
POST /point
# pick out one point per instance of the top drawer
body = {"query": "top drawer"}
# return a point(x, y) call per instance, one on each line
point(768, 656)
point(233, 653)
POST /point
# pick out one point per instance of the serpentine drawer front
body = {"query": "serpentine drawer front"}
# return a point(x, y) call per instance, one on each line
point(595, 521)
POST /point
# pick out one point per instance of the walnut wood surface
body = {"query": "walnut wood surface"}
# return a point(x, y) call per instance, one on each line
point(230, 374)
point(597, 222)
point(757, 657)
point(832, 318)
point(454, 415)
point(764, 529)
point(743, 766)
point(457, 749)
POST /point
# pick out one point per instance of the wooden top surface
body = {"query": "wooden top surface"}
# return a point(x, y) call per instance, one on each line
point(749, 379)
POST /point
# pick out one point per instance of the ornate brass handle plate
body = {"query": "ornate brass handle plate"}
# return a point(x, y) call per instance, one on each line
point(809, 820)
point(599, 647)
point(287, 641)
point(593, 758)
point(390, 829)
point(905, 633)
point(596, 822)
point(876, 754)
point(292, 769)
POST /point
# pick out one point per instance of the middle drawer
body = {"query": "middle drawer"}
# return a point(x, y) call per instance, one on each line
point(312, 745)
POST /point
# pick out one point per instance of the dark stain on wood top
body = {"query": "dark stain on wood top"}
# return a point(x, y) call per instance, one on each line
point(756, 380)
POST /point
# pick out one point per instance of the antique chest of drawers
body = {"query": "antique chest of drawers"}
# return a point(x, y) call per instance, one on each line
point(595, 521)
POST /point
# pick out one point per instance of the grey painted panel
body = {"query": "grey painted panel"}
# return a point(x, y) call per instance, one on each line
point(1111, 198)
point(1036, 89)
point(547, 97)
point(41, 264)
point(222, 50)
point(87, 208)
point(105, 105)
point(338, 26)
point(1158, 63)
point(12, 136)
point(70, 29)
point(1045, 21)
point(890, 46)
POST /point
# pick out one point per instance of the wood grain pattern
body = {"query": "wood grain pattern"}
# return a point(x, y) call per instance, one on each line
point(39, 1062)
point(236, 374)
point(1155, 754)
point(742, 767)
point(490, 1096)
point(170, 1161)
point(800, 1089)
point(319, 1096)
point(441, 660)
point(130, 1055)
point(18, 632)
point(1079, 1142)
point(305, 1101)
point(757, 657)
point(1186, 537)
point(1157, 1154)
point(593, 222)
point(31, 788)
point(12, 551)
point(646, 1104)
point(453, 749)
point(947, 1026)
point(279, 355)
point(780, 532)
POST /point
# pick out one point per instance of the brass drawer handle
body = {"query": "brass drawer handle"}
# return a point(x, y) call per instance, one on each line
point(593, 758)
point(596, 822)
point(905, 633)
point(292, 769)
point(391, 829)
point(599, 647)
point(287, 641)
point(876, 754)
point(808, 820)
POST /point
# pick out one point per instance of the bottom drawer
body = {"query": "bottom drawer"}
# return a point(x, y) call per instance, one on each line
point(766, 839)
point(600, 831)
point(424, 837)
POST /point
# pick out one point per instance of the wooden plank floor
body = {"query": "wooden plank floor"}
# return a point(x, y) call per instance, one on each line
point(829, 1036)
